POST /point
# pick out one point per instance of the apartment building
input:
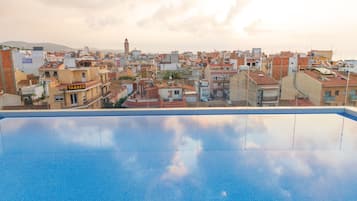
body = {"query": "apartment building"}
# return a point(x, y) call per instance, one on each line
point(146, 95)
point(83, 86)
point(29, 60)
point(105, 84)
point(7, 72)
point(171, 94)
point(320, 57)
point(322, 87)
point(254, 88)
point(202, 88)
point(286, 63)
point(218, 76)
point(151, 94)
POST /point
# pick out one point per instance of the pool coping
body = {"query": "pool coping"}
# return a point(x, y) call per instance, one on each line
point(350, 112)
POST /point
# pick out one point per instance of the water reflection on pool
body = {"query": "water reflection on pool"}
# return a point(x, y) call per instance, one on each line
point(219, 157)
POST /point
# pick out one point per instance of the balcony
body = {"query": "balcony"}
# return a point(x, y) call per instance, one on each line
point(220, 80)
point(270, 98)
point(106, 83)
point(329, 99)
point(171, 99)
point(81, 85)
point(172, 102)
point(107, 94)
point(86, 103)
point(353, 97)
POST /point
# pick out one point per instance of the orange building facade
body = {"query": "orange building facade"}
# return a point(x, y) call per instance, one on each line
point(7, 72)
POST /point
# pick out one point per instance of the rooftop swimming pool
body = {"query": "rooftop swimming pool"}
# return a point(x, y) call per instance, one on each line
point(205, 154)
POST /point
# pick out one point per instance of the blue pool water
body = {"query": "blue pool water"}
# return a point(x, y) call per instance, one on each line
point(185, 157)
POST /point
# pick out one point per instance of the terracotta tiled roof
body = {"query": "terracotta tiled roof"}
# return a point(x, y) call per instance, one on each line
point(22, 83)
point(218, 65)
point(188, 88)
point(147, 104)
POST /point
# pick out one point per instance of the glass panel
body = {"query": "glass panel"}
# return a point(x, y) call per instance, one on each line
point(270, 131)
point(225, 132)
point(317, 131)
point(349, 138)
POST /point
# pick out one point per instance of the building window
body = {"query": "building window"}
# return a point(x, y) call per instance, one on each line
point(59, 98)
point(327, 93)
point(177, 92)
point(337, 92)
point(84, 77)
point(74, 100)
point(55, 74)
point(84, 98)
point(47, 74)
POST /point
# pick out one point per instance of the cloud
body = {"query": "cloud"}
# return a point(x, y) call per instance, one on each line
point(9, 127)
point(80, 4)
point(213, 122)
point(236, 9)
point(95, 22)
point(192, 17)
point(176, 169)
point(89, 135)
point(256, 27)
point(164, 25)
point(185, 158)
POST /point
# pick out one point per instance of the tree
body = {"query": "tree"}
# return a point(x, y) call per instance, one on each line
point(174, 75)
point(127, 78)
point(120, 102)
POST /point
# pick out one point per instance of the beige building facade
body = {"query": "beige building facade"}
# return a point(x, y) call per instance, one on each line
point(254, 88)
point(323, 87)
point(82, 87)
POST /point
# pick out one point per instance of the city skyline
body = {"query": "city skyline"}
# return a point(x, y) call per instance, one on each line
point(162, 26)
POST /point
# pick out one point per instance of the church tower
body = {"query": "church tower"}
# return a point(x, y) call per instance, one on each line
point(126, 47)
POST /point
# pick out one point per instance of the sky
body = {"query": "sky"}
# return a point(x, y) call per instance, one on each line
point(165, 25)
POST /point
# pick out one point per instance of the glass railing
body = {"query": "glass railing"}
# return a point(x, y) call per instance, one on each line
point(141, 75)
point(329, 99)
point(353, 97)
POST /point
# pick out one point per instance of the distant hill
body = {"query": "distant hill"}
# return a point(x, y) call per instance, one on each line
point(46, 46)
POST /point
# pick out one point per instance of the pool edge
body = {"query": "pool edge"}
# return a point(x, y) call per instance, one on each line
point(180, 111)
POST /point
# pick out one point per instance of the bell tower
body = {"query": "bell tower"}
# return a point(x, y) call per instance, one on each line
point(126, 47)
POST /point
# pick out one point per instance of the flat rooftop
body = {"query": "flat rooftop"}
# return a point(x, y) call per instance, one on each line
point(333, 80)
